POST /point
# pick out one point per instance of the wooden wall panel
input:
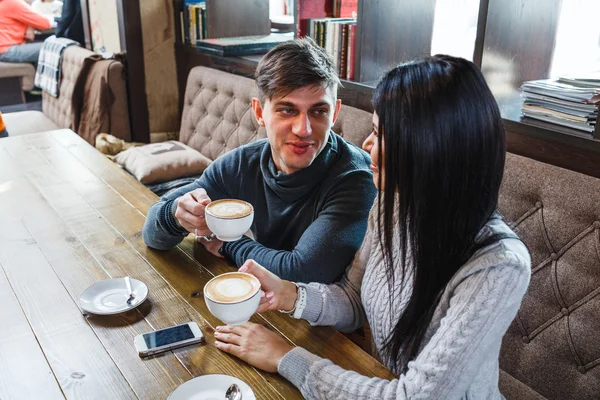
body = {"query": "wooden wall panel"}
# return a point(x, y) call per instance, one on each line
point(158, 34)
point(392, 31)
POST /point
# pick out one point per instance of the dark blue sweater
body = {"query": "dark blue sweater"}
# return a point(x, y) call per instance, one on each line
point(307, 225)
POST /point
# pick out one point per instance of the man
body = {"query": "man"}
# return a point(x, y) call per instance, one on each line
point(17, 21)
point(311, 190)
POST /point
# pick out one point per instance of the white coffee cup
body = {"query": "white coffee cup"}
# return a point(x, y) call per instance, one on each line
point(229, 219)
point(233, 297)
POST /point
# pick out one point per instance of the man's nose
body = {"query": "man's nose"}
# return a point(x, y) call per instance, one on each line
point(302, 126)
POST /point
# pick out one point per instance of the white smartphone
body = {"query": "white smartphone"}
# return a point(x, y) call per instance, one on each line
point(166, 339)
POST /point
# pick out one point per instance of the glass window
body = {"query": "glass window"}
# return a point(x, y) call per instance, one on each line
point(455, 27)
point(577, 50)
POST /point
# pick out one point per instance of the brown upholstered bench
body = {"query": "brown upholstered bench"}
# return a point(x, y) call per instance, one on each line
point(552, 349)
point(57, 111)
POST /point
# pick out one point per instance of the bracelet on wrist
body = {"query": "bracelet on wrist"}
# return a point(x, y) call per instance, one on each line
point(293, 308)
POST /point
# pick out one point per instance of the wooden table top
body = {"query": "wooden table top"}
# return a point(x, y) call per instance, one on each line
point(71, 218)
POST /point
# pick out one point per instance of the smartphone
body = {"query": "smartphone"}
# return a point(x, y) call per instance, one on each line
point(166, 339)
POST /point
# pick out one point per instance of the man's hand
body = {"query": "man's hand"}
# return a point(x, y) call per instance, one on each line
point(30, 33)
point(254, 344)
point(190, 212)
point(213, 245)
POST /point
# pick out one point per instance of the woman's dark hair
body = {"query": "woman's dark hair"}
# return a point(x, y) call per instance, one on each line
point(444, 159)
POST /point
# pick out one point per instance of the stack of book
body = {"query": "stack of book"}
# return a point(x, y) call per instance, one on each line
point(338, 37)
point(193, 21)
point(243, 45)
point(571, 102)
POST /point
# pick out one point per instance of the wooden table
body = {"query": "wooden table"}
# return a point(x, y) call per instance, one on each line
point(69, 218)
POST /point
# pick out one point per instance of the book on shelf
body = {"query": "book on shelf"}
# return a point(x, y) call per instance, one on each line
point(570, 102)
point(193, 21)
point(242, 45)
point(338, 37)
point(307, 9)
point(591, 80)
point(345, 8)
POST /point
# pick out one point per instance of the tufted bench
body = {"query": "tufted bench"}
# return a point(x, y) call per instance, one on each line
point(57, 111)
point(552, 349)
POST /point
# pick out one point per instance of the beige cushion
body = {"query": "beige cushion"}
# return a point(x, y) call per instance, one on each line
point(24, 122)
point(25, 71)
point(162, 162)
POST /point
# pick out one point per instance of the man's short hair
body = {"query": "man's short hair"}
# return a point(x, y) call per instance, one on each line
point(293, 65)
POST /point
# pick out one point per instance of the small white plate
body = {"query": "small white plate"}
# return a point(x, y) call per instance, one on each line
point(110, 296)
point(210, 387)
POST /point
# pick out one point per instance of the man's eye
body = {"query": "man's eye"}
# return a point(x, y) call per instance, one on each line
point(288, 111)
point(320, 111)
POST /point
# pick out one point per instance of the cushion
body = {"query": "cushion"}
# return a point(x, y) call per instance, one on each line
point(162, 162)
point(25, 122)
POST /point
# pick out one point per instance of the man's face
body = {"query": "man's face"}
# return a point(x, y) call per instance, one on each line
point(298, 125)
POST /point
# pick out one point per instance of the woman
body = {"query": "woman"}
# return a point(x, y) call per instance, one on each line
point(439, 276)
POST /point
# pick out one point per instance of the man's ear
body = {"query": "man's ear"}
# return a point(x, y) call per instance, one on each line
point(258, 111)
point(338, 107)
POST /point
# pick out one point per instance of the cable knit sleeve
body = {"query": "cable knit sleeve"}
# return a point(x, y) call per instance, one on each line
point(339, 304)
point(480, 309)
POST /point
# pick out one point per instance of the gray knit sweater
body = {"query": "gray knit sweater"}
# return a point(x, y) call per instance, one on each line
point(459, 354)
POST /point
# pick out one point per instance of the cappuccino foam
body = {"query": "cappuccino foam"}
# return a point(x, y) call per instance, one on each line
point(232, 287)
point(229, 208)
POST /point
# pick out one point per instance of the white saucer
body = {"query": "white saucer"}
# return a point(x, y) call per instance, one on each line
point(110, 296)
point(210, 387)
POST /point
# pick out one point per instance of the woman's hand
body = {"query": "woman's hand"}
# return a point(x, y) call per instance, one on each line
point(277, 294)
point(254, 344)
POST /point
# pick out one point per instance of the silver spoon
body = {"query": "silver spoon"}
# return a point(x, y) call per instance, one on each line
point(233, 393)
point(131, 296)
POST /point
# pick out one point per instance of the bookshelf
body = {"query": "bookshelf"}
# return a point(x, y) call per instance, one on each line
point(393, 31)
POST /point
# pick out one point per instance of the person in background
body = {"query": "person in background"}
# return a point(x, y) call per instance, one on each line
point(70, 24)
point(17, 24)
point(439, 276)
point(311, 190)
point(47, 8)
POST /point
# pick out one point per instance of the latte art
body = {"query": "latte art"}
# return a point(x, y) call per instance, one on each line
point(229, 208)
point(232, 287)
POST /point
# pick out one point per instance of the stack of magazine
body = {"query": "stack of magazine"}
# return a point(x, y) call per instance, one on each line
point(566, 101)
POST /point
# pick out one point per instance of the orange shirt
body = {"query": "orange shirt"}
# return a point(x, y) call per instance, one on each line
point(15, 17)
